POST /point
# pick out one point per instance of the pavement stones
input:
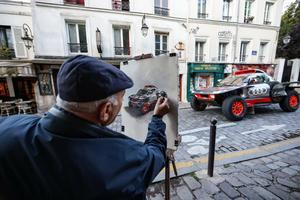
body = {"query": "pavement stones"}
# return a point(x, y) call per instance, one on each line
point(265, 193)
point(238, 181)
point(191, 182)
point(229, 190)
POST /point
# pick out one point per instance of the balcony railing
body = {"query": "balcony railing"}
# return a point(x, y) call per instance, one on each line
point(261, 58)
point(243, 58)
point(158, 52)
point(248, 20)
point(6, 53)
point(200, 58)
point(267, 22)
point(120, 5)
point(161, 11)
point(122, 51)
point(78, 47)
point(78, 2)
point(227, 18)
point(222, 57)
point(202, 15)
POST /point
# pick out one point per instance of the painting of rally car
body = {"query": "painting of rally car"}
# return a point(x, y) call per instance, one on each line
point(145, 99)
point(246, 88)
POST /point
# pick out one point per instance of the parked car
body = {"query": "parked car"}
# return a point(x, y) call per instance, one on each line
point(247, 88)
point(145, 99)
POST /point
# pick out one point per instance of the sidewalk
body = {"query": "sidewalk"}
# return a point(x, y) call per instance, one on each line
point(271, 177)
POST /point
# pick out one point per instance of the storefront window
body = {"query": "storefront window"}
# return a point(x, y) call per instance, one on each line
point(24, 88)
point(3, 88)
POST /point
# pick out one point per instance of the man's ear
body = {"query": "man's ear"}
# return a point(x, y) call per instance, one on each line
point(105, 112)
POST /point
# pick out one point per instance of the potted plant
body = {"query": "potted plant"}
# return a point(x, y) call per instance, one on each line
point(250, 19)
point(5, 53)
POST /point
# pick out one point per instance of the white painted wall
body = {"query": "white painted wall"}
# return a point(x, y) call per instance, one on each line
point(51, 38)
point(15, 14)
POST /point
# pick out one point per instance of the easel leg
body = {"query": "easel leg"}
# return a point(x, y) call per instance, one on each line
point(167, 179)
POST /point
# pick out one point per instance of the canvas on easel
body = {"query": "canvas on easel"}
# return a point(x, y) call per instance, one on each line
point(152, 77)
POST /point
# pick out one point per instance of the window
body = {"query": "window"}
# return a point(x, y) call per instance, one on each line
point(122, 42)
point(77, 37)
point(6, 43)
point(161, 43)
point(121, 5)
point(243, 51)
point(262, 48)
point(267, 13)
point(248, 18)
point(256, 79)
point(78, 2)
point(161, 7)
point(226, 10)
point(202, 9)
point(199, 54)
point(4, 92)
point(222, 51)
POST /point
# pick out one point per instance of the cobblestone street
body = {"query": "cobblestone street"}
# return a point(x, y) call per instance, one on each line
point(273, 177)
point(269, 124)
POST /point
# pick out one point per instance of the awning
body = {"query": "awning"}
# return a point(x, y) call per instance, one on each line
point(14, 64)
point(14, 69)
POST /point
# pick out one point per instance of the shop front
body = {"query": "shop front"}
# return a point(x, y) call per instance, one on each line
point(17, 81)
point(17, 88)
point(203, 75)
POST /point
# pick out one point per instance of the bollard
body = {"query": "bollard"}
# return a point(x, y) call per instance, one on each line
point(212, 144)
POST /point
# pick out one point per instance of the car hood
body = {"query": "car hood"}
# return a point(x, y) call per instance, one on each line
point(216, 90)
point(137, 97)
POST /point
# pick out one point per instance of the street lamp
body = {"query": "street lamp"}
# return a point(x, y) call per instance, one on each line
point(144, 28)
point(286, 40)
point(27, 38)
point(98, 41)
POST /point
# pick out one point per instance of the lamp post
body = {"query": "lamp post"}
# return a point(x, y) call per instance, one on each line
point(286, 40)
point(144, 28)
point(27, 38)
point(98, 41)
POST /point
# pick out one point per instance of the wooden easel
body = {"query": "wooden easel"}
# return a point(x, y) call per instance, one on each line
point(169, 158)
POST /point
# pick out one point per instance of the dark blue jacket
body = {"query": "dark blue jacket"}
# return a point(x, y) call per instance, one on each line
point(60, 156)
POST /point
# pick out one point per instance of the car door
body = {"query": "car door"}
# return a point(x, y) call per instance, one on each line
point(259, 88)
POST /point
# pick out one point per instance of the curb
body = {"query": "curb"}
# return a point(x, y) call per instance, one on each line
point(198, 164)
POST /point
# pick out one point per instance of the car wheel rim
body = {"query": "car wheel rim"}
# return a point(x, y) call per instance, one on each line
point(293, 101)
point(145, 108)
point(237, 108)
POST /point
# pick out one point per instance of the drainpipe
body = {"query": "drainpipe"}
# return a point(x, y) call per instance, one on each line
point(236, 31)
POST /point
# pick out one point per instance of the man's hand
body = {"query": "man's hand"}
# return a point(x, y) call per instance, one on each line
point(162, 106)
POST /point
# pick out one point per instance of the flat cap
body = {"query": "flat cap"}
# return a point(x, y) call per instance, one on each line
point(84, 78)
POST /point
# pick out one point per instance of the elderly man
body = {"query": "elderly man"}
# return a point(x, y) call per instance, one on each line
point(70, 153)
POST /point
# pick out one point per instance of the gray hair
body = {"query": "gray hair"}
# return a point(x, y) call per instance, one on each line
point(84, 107)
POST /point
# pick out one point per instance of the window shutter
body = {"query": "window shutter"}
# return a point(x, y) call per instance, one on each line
point(20, 50)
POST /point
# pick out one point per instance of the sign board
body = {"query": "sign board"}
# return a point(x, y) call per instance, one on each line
point(151, 77)
point(254, 53)
point(225, 35)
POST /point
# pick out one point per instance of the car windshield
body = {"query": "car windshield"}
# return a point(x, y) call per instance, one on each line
point(141, 92)
point(232, 81)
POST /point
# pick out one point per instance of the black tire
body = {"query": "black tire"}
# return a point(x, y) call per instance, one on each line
point(228, 110)
point(287, 104)
point(197, 105)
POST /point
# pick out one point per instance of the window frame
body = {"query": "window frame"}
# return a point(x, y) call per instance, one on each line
point(76, 23)
point(198, 51)
point(121, 28)
point(161, 50)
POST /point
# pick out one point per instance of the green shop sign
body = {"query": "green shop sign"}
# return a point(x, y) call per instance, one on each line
point(213, 68)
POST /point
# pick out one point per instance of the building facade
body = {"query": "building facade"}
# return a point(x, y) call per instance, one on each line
point(215, 36)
